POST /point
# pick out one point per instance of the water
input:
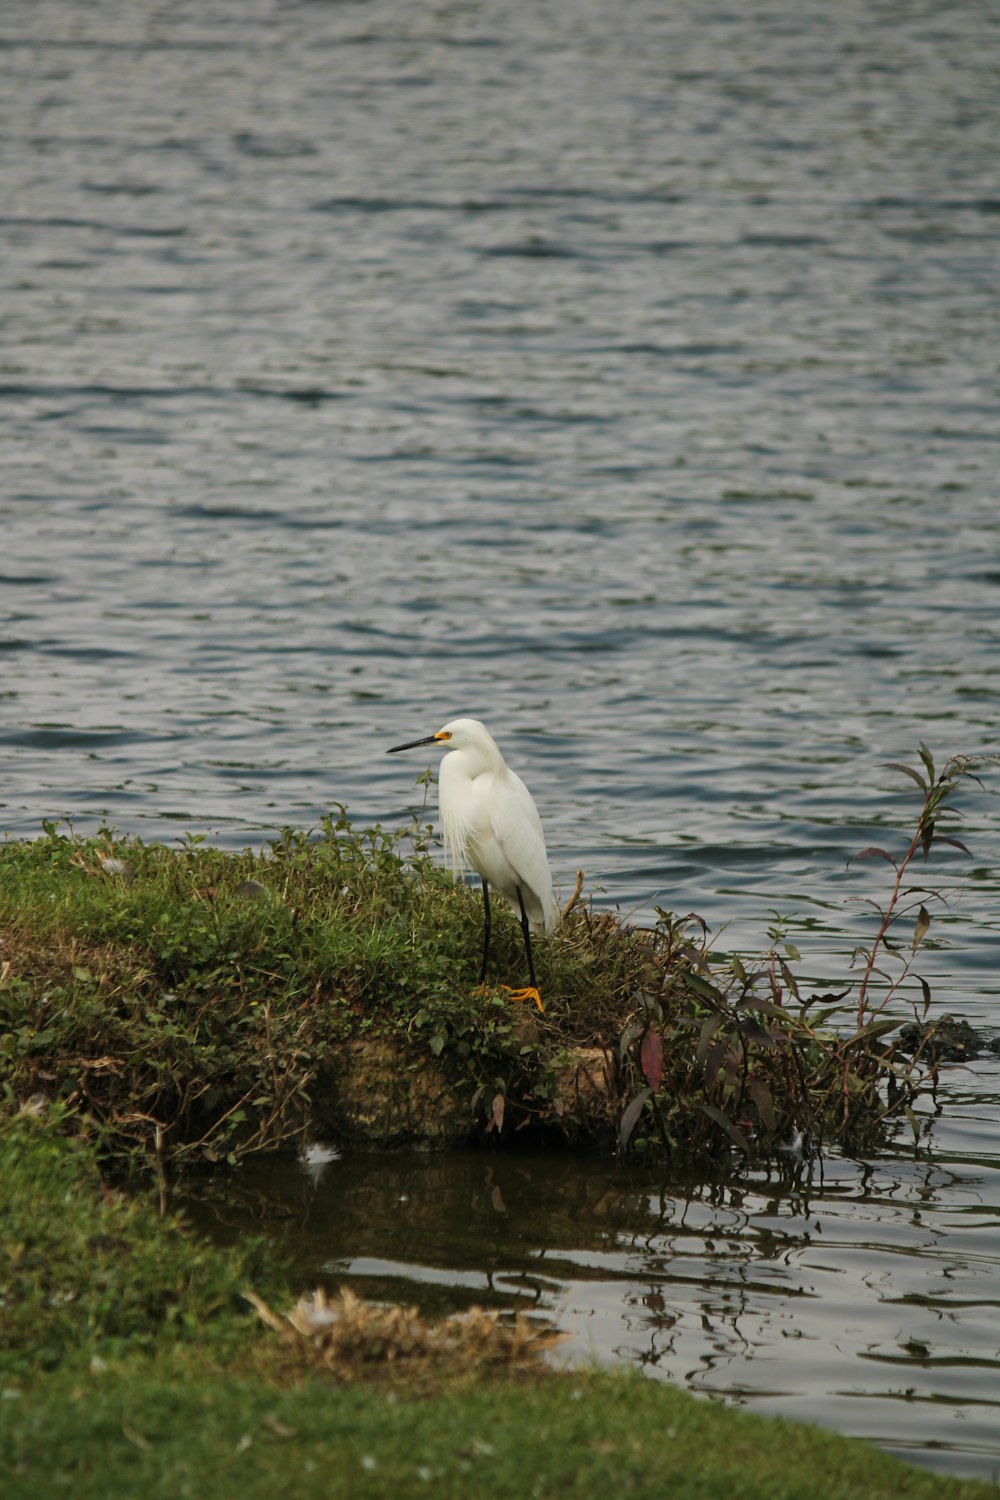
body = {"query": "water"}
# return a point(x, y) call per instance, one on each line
point(626, 378)
point(861, 1296)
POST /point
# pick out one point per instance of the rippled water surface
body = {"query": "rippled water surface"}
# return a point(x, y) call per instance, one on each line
point(623, 376)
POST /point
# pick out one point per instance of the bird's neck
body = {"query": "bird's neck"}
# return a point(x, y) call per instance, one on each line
point(471, 762)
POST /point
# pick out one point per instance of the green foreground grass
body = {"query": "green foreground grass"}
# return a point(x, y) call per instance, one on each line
point(131, 1365)
point(147, 1432)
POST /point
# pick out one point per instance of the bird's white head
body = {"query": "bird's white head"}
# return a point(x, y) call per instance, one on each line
point(467, 735)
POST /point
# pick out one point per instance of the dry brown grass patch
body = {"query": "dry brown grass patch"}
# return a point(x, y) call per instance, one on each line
point(354, 1339)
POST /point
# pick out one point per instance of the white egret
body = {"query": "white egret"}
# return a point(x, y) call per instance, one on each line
point(490, 821)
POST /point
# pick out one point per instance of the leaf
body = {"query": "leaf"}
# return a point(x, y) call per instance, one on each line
point(708, 1030)
point(738, 969)
point(872, 1030)
point(734, 1132)
point(895, 765)
point(822, 1016)
point(927, 758)
point(922, 923)
point(496, 1115)
point(872, 853)
point(789, 977)
point(650, 1004)
point(755, 1032)
point(943, 838)
point(714, 1058)
point(702, 987)
point(628, 1036)
point(631, 1115)
point(651, 1059)
point(766, 1008)
point(437, 1043)
point(761, 1096)
point(829, 998)
point(793, 952)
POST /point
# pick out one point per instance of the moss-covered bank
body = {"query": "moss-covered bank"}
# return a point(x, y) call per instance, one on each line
point(191, 1004)
point(131, 1364)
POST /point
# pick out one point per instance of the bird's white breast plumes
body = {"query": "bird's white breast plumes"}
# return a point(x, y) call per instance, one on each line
point(456, 819)
point(464, 785)
point(490, 822)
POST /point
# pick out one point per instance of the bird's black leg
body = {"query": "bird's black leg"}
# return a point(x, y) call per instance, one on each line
point(486, 931)
point(527, 937)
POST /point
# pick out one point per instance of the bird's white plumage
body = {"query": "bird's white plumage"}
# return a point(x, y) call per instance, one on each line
point(491, 823)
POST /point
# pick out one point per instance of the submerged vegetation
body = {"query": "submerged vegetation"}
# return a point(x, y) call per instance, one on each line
point(186, 1004)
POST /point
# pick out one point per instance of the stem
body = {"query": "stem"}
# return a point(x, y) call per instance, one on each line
point(922, 838)
point(888, 918)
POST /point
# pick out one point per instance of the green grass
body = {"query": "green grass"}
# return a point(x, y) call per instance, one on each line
point(87, 1271)
point(154, 1434)
point(207, 992)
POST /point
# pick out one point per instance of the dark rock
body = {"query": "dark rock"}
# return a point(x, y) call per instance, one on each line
point(947, 1039)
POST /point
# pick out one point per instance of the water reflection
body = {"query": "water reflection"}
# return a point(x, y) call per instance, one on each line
point(859, 1295)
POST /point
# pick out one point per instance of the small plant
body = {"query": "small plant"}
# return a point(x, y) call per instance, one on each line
point(909, 900)
point(773, 1065)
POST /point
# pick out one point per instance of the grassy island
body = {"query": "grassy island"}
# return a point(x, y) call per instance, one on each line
point(191, 1005)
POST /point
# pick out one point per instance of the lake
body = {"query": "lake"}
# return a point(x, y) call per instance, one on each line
point(626, 378)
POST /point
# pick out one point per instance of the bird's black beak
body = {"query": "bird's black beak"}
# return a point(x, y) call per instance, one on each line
point(430, 739)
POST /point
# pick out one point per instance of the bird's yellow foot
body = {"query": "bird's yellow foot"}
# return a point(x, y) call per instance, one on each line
point(528, 993)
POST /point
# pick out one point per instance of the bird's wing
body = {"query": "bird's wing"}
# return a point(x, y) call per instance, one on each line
point(517, 828)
